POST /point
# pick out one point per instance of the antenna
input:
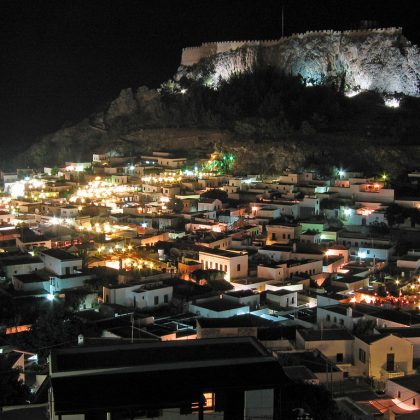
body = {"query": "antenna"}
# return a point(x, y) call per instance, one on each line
point(132, 328)
point(282, 21)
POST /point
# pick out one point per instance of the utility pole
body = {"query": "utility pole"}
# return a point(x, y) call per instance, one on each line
point(282, 21)
point(132, 328)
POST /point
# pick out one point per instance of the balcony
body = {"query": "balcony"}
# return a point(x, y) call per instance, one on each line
point(390, 374)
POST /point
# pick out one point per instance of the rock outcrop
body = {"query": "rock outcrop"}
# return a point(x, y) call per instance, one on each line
point(382, 60)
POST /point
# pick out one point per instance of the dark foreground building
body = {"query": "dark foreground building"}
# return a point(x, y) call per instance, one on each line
point(226, 378)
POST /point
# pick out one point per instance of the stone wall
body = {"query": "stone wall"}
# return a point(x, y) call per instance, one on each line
point(192, 55)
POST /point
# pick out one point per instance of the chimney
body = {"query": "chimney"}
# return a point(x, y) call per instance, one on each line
point(349, 311)
point(80, 340)
point(294, 246)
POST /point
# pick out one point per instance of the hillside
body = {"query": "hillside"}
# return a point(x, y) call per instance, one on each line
point(271, 119)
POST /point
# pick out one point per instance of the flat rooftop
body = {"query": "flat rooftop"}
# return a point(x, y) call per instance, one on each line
point(411, 382)
point(239, 321)
point(220, 305)
point(222, 252)
point(81, 358)
point(326, 335)
point(61, 255)
point(166, 374)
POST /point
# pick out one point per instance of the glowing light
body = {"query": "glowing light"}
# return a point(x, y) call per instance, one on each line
point(341, 173)
point(50, 296)
point(392, 102)
point(352, 93)
point(347, 212)
point(17, 190)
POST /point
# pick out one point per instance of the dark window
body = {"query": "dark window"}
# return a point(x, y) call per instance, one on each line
point(273, 236)
point(341, 321)
point(67, 270)
point(156, 300)
point(328, 318)
point(414, 401)
point(390, 359)
point(362, 356)
point(399, 394)
point(166, 298)
point(238, 267)
point(339, 357)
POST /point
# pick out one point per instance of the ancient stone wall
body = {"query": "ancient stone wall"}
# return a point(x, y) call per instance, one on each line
point(192, 55)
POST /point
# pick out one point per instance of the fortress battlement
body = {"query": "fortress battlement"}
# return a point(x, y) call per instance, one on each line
point(192, 55)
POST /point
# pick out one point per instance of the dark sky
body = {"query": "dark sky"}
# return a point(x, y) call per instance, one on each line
point(61, 59)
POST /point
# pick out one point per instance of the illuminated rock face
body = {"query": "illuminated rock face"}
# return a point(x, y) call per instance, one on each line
point(382, 60)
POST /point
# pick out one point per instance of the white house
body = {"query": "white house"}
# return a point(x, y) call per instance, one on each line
point(233, 263)
point(406, 391)
point(22, 264)
point(209, 204)
point(139, 295)
point(61, 262)
point(335, 344)
point(278, 232)
point(217, 308)
point(282, 298)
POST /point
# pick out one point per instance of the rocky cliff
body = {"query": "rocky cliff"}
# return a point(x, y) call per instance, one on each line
point(359, 133)
point(382, 60)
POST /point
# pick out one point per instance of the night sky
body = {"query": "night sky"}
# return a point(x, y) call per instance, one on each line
point(60, 60)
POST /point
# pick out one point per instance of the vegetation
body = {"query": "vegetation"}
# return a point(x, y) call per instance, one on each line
point(312, 399)
point(396, 215)
point(364, 327)
point(215, 193)
point(13, 390)
point(263, 105)
point(54, 327)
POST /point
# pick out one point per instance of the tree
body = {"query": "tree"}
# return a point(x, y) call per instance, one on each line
point(215, 193)
point(364, 327)
point(13, 390)
point(52, 329)
point(379, 228)
point(74, 298)
point(394, 214)
point(213, 278)
point(314, 399)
